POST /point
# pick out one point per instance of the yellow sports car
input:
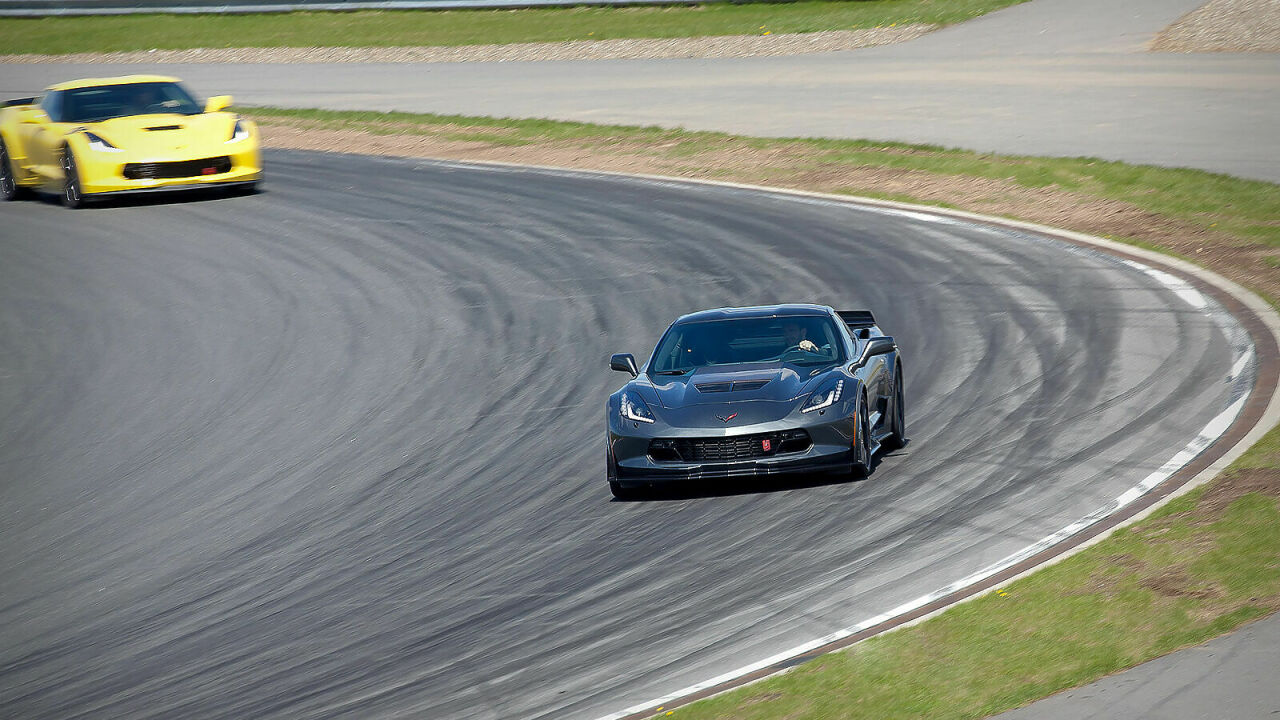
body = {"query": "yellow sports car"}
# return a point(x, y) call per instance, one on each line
point(140, 133)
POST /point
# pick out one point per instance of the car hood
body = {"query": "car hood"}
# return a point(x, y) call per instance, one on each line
point(165, 133)
point(721, 385)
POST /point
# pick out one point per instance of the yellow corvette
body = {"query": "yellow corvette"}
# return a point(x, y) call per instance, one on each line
point(140, 133)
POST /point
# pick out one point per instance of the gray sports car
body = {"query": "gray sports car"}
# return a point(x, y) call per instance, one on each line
point(742, 392)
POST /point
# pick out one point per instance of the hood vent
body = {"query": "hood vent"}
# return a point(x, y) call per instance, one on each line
point(737, 385)
point(165, 127)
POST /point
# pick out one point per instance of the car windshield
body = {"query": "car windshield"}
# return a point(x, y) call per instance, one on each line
point(103, 102)
point(794, 340)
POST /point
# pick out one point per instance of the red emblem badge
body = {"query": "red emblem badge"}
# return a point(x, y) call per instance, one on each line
point(765, 444)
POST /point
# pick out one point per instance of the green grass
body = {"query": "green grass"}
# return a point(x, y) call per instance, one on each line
point(58, 35)
point(1200, 566)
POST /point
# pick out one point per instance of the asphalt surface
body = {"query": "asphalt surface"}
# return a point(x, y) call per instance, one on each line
point(335, 450)
point(1051, 77)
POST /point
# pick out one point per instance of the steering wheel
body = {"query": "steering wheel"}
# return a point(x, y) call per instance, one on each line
point(794, 353)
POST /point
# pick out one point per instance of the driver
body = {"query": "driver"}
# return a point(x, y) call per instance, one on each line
point(149, 100)
point(794, 333)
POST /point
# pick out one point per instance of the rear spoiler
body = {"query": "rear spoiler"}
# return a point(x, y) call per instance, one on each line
point(857, 319)
point(19, 101)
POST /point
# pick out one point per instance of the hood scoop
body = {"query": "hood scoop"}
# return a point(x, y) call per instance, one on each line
point(164, 127)
point(736, 385)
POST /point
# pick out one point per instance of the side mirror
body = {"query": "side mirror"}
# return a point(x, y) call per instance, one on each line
point(217, 102)
point(876, 346)
point(36, 115)
point(625, 362)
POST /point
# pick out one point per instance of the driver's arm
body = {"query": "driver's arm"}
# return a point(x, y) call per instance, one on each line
point(808, 346)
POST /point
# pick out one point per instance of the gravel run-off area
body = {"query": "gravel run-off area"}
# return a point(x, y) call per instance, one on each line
point(628, 48)
point(1224, 26)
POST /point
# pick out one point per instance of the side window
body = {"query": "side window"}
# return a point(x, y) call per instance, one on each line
point(52, 105)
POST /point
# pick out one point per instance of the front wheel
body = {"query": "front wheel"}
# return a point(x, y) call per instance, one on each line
point(8, 179)
point(622, 493)
point(862, 443)
point(72, 196)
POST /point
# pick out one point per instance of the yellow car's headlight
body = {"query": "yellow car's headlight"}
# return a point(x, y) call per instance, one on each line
point(239, 132)
point(97, 142)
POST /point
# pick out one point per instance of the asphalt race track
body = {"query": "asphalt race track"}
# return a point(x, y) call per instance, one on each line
point(335, 449)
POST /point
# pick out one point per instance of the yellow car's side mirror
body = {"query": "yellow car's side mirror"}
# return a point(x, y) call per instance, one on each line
point(37, 116)
point(217, 102)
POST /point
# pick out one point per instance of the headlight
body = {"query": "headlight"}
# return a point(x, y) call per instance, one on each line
point(239, 132)
point(97, 143)
point(824, 398)
point(633, 408)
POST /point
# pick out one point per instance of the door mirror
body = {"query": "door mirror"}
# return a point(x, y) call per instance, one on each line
point(36, 115)
point(217, 102)
point(876, 346)
point(625, 362)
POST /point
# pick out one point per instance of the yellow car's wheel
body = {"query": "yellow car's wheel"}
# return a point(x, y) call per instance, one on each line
point(72, 196)
point(8, 182)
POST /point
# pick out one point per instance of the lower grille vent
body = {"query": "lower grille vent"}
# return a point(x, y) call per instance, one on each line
point(721, 449)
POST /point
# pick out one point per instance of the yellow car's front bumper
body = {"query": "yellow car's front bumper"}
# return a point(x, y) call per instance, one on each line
point(103, 172)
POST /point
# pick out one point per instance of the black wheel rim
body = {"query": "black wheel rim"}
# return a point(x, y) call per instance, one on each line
point(864, 438)
point(7, 182)
point(70, 182)
point(899, 416)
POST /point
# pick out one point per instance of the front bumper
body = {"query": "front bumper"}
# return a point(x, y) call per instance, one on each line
point(105, 173)
point(631, 463)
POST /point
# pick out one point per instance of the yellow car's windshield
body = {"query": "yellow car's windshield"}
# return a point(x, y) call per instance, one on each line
point(104, 102)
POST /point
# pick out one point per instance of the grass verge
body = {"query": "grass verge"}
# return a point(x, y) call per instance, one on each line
point(1202, 565)
point(59, 35)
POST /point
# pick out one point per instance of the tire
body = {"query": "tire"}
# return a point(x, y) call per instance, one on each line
point(622, 493)
point(898, 418)
point(9, 189)
point(245, 190)
point(72, 196)
point(862, 443)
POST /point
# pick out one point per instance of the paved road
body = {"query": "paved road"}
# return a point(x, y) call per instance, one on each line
point(1051, 77)
point(334, 450)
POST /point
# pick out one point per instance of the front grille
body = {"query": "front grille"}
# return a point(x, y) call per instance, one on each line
point(722, 449)
point(175, 170)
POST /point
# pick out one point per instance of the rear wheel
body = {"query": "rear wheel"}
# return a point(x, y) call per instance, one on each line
point(72, 196)
point(897, 414)
point(862, 443)
point(8, 179)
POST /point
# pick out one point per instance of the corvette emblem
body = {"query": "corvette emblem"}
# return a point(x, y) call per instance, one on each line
point(722, 418)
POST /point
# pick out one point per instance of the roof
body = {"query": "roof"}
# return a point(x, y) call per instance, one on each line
point(758, 311)
point(121, 80)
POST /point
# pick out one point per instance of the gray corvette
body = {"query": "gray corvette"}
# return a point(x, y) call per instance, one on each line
point(744, 392)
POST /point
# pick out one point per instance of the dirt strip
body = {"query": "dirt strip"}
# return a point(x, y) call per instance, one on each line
point(1224, 26)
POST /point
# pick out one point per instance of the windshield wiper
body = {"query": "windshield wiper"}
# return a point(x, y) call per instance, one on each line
point(670, 372)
